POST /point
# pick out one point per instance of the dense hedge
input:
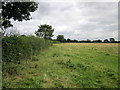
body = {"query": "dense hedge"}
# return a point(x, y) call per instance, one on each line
point(18, 48)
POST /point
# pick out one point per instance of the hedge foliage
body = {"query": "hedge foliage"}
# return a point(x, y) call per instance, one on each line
point(18, 48)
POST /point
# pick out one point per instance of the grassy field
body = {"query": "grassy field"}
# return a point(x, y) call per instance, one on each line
point(69, 65)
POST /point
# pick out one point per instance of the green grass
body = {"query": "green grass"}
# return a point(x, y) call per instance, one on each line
point(69, 65)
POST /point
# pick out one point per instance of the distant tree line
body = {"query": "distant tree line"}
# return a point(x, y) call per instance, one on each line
point(61, 38)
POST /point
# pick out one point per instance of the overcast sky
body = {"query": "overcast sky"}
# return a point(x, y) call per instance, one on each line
point(75, 20)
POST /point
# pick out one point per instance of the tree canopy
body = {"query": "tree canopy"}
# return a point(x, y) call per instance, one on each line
point(45, 31)
point(106, 41)
point(17, 11)
point(60, 38)
point(112, 40)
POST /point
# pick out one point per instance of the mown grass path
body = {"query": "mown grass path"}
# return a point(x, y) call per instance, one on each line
point(69, 65)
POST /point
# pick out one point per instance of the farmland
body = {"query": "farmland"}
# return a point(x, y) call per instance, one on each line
point(69, 65)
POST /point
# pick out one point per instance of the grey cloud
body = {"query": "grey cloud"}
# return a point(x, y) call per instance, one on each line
point(76, 20)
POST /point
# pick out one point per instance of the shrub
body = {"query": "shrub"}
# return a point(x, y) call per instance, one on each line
point(17, 48)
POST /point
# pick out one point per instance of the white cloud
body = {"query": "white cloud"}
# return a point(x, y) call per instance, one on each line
point(75, 20)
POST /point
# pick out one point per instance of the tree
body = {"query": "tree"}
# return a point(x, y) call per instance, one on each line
point(45, 31)
point(106, 41)
point(98, 41)
point(88, 41)
point(112, 40)
point(17, 11)
point(75, 40)
point(60, 38)
point(68, 40)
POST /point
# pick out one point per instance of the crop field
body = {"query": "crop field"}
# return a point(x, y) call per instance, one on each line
point(69, 65)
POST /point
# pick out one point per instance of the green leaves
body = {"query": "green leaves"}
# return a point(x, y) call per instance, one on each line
point(45, 31)
point(60, 38)
point(17, 10)
point(17, 48)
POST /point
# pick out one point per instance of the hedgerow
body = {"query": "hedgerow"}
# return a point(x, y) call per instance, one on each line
point(18, 48)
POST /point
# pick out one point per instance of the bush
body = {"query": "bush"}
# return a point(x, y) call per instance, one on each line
point(17, 48)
